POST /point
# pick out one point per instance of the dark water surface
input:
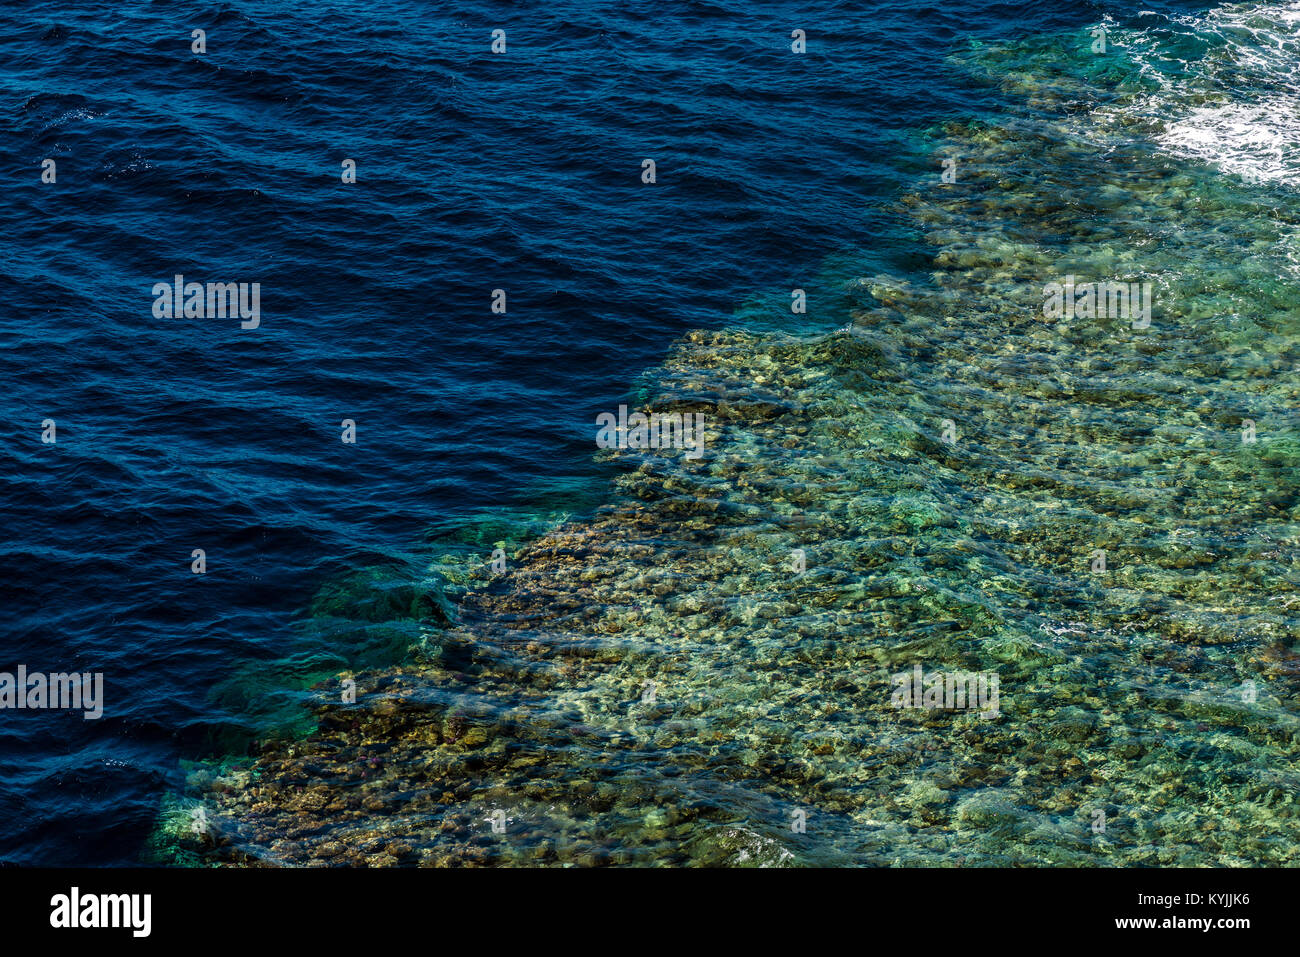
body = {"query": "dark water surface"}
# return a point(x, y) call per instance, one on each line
point(474, 429)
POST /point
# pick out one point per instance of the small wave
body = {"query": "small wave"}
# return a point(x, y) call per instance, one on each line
point(1228, 88)
point(1256, 141)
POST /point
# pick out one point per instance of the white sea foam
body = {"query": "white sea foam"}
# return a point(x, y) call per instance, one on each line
point(1237, 104)
point(1257, 141)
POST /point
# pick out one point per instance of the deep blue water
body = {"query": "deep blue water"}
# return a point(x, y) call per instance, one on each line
point(475, 171)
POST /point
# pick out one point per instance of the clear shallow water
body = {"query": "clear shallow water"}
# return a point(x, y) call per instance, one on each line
point(523, 693)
